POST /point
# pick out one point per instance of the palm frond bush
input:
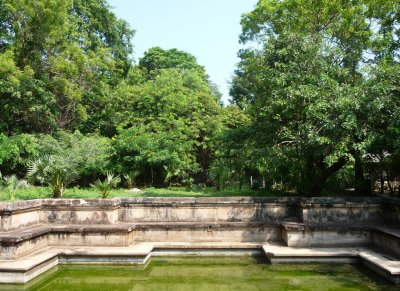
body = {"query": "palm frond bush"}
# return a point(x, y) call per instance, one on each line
point(130, 178)
point(105, 186)
point(56, 172)
point(10, 185)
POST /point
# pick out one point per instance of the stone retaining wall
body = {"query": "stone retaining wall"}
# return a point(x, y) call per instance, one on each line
point(242, 209)
point(391, 211)
point(22, 214)
point(341, 210)
point(31, 225)
point(58, 211)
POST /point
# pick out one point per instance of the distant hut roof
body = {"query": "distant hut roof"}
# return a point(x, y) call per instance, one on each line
point(376, 158)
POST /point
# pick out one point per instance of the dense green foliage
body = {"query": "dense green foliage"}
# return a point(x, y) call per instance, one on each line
point(171, 128)
point(157, 59)
point(315, 105)
point(74, 105)
point(66, 158)
point(58, 61)
point(322, 89)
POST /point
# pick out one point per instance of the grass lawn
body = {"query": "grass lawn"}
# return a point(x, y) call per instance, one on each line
point(33, 192)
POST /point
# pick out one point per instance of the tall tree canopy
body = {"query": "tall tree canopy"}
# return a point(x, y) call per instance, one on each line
point(56, 60)
point(156, 59)
point(171, 121)
point(308, 84)
point(317, 96)
point(65, 66)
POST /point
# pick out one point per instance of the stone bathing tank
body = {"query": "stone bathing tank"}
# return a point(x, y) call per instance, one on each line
point(37, 235)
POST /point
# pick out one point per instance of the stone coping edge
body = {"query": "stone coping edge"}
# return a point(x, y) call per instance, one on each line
point(306, 202)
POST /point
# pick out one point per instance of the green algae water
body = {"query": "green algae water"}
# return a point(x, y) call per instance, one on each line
point(208, 273)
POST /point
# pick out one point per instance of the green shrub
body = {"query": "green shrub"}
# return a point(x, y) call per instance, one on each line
point(90, 153)
point(15, 153)
point(220, 174)
point(11, 184)
point(54, 171)
point(130, 178)
point(105, 186)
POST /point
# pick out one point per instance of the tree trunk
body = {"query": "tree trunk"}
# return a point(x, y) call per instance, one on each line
point(325, 174)
point(389, 184)
point(152, 176)
point(358, 174)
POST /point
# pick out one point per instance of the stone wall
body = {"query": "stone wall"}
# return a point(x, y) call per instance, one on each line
point(23, 214)
point(240, 209)
point(29, 226)
point(341, 210)
point(58, 211)
point(391, 211)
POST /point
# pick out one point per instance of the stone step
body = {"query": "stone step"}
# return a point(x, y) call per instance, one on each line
point(284, 254)
point(340, 235)
point(384, 264)
point(24, 269)
point(387, 239)
point(16, 244)
point(20, 235)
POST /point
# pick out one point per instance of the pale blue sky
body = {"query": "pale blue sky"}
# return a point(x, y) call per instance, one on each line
point(208, 29)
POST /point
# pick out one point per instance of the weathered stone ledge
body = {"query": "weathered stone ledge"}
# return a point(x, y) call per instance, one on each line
point(313, 202)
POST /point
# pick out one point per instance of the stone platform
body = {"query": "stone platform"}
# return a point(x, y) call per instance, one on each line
point(386, 265)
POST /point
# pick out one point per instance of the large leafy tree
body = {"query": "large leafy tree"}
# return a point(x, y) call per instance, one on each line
point(232, 155)
point(59, 61)
point(170, 128)
point(306, 85)
point(168, 118)
point(302, 114)
point(383, 120)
